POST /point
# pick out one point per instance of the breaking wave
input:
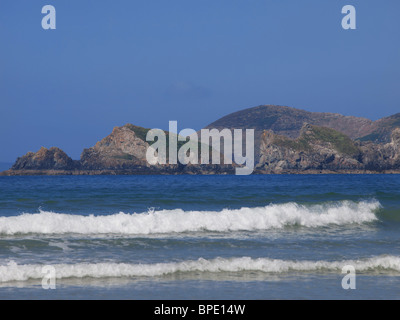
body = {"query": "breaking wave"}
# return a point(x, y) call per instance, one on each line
point(15, 272)
point(274, 216)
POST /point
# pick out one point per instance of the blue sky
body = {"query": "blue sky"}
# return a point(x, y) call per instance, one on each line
point(147, 62)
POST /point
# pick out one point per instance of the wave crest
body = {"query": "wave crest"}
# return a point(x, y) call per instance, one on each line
point(15, 272)
point(274, 216)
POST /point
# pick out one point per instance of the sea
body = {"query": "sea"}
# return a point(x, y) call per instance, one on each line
point(199, 237)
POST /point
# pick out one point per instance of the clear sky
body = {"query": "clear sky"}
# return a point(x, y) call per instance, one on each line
point(146, 62)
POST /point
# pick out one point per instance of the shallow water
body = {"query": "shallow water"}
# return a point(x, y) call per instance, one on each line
point(200, 237)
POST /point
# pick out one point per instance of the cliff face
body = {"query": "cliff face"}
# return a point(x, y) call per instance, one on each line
point(379, 157)
point(317, 148)
point(122, 149)
point(321, 149)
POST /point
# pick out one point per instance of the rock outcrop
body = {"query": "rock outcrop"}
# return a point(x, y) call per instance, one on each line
point(379, 157)
point(324, 150)
point(121, 152)
point(45, 159)
point(317, 148)
point(121, 149)
point(124, 150)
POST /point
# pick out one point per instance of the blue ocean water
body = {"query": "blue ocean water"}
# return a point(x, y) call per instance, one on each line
point(200, 237)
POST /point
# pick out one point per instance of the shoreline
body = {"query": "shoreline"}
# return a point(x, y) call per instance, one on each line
point(11, 173)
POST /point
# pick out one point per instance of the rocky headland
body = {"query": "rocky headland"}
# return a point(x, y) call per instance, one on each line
point(287, 140)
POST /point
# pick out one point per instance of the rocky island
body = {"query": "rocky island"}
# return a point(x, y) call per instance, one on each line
point(287, 140)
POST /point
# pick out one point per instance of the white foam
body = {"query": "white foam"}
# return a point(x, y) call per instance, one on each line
point(274, 216)
point(15, 272)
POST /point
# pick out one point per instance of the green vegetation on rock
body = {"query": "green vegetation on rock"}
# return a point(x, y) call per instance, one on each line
point(339, 141)
point(315, 135)
point(297, 144)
